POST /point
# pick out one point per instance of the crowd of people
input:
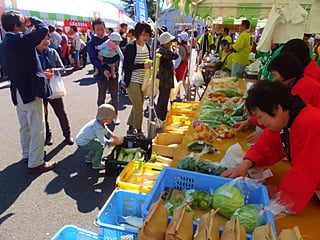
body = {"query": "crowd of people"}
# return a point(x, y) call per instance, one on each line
point(284, 104)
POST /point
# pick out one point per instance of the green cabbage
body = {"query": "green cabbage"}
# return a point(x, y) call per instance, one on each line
point(249, 217)
point(228, 199)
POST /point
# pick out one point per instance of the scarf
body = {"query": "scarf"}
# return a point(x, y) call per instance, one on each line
point(44, 59)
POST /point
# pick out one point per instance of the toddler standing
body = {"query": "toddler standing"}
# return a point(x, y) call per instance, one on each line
point(95, 135)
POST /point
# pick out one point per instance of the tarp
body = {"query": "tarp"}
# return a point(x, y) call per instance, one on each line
point(233, 8)
point(80, 10)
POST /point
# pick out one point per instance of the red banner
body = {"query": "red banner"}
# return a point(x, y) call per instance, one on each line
point(80, 24)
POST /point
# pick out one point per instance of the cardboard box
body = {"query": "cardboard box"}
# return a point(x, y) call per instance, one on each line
point(161, 142)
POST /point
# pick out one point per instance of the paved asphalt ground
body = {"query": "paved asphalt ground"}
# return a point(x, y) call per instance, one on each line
point(36, 206)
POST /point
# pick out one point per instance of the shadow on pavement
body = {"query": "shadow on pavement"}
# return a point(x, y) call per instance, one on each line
point(86, 81)
point(123, 101)
point(15, 179)
point(89, 188)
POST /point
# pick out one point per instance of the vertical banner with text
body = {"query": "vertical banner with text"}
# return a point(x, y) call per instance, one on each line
point(141, 10)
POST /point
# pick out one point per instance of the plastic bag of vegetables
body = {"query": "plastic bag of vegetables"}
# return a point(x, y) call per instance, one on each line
point(251, 216)
point(233, 195)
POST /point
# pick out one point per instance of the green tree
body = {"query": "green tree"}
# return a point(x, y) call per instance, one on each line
point(151, 4)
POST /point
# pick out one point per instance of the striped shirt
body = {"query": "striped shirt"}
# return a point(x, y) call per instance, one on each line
point(141, 57)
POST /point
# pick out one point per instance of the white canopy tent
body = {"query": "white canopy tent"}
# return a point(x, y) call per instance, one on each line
point(75, 10)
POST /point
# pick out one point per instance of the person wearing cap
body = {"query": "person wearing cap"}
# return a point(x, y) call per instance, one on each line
point(181, 64)
point(96, 135)
point(165, 73)
point(109, 49)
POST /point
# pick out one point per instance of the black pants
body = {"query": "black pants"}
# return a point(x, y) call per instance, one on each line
point(58, 108)
point(83, 56)
point(113, 87)
point(162, 104)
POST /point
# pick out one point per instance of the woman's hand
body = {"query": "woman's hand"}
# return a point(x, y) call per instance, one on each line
point(147, 65)
point(238, 171)
point(48, 73)
point(253, 137)
point(240, 126)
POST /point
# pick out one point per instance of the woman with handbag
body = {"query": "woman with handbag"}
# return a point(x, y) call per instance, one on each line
point(52, 65)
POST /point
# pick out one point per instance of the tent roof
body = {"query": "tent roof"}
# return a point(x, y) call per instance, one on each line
point(73, 10)
point(233, 8)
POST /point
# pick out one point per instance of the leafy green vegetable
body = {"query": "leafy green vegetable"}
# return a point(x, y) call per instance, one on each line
point(228, 199)
point(187, 163)
point(249, 217)
point(229, 92)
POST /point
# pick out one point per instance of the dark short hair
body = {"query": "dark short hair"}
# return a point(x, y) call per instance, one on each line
point(10, 19)
point(74, 28)
point(246, 23)
point(122, 25)
point(51, 28)
point(110, 30)
point(131, 31)
point(224, 42)
point(287, 65)
point(267, 96)
point(195, 33)
point(299, 49)
point(226, 30)
point(98, 21)
point(59, 30)
point(140, 27)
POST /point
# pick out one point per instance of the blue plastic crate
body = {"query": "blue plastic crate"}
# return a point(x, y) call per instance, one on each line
point(181, 179)
point(71, 232)
point(120, 203)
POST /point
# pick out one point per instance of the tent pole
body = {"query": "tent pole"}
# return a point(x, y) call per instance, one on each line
point(153, 76)
point(190, 56)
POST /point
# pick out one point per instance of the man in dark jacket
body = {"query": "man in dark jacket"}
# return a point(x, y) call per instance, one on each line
point(102, 81)
point(28, 84)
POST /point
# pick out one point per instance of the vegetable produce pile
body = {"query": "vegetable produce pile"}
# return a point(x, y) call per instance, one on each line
point(200, 165)
point(156, 158)
point(131, 154)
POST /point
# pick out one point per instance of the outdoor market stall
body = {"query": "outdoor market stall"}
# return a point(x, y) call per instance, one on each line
point(308, 221)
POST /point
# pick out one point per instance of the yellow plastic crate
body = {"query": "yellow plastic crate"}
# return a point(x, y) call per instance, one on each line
point(138, 176)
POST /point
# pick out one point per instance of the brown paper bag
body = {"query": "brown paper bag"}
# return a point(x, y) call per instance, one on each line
point(156, 223)
point(292, 234)
point(263, 232)
point(208, 227)
point(181, 226)
point(233, 230)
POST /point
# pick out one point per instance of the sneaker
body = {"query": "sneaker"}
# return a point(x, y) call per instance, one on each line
point(140, 135)
point(100, 165)
point(131, 132)
point(88, 160)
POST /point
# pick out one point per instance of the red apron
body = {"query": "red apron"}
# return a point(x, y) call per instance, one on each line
point(181, 70)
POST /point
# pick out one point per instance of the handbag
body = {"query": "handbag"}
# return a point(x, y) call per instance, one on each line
point(57, 86)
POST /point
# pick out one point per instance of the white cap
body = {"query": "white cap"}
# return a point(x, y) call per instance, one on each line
point(165, 38)
point(317, 36)
point(115, 37)
point(184, 36)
